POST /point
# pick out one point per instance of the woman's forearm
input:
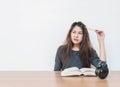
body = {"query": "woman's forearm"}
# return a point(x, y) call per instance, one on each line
point(102, 50)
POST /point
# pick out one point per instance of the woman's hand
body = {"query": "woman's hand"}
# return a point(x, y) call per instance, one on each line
point(100, 35)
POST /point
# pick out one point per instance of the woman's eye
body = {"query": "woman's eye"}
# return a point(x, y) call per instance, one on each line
point(74, 32)
point(80, 33)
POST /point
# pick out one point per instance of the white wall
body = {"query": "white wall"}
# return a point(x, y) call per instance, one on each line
point(32, 30)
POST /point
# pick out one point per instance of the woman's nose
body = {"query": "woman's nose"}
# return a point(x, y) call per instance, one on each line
point(76, 35)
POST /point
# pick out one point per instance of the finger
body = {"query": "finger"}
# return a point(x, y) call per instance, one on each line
point(99, 31)
point(91, 29)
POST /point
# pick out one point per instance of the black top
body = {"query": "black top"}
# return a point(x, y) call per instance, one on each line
point(74, 60)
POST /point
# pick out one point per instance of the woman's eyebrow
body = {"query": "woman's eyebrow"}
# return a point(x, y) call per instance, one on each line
point(80, 31)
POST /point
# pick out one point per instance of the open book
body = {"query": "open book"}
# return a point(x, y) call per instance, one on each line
point(74, 71)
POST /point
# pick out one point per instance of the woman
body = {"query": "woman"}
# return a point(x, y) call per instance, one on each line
point(77, 50)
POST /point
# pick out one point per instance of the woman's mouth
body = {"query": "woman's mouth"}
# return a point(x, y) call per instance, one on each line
point(76, 40)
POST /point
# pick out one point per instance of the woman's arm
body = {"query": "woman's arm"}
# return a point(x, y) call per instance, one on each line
point(101, 36)
point(58, 62)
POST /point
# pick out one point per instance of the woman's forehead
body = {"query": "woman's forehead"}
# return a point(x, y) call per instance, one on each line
point(77, 28)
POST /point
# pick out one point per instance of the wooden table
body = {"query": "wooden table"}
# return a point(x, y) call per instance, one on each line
point(53, 79)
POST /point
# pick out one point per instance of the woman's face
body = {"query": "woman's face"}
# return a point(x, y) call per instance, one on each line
point(76, 35)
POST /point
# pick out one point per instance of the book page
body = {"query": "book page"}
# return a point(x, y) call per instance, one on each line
point(88, 71)
point(72, 71)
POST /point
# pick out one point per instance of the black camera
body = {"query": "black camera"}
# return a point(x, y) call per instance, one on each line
point(102, 70)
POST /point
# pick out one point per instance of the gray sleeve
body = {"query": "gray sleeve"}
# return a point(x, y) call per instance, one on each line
point(95, 59)
point(58, 62)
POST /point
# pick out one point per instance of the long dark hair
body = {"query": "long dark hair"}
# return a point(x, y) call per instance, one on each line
point(86, 49)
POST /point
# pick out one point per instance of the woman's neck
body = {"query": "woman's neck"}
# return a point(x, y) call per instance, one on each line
point(76, 48)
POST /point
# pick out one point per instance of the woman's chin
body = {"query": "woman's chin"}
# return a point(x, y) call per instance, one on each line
point(75, 43)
